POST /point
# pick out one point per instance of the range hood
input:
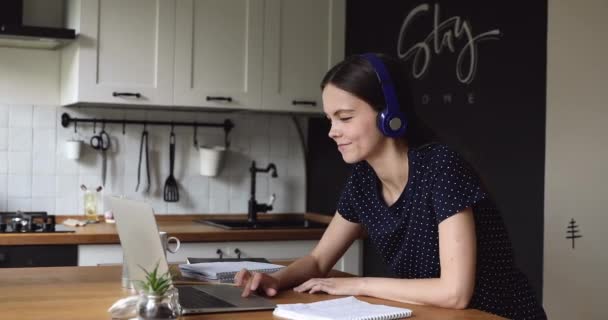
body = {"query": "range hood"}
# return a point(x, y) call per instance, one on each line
point(14, 34)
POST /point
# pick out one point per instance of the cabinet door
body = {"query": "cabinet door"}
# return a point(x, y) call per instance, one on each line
point(126, 46)
point(302, 40)
point(218, 53)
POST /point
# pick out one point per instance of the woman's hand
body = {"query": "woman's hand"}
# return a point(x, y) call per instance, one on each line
point(335, 286)
point(260, 282)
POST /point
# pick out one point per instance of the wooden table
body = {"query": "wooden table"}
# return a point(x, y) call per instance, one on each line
point(87, 293)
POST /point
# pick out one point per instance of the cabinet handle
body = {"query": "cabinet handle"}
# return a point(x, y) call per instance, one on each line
point(127, 94)
point(304, 102)
point(220, 253)
point(210, 98)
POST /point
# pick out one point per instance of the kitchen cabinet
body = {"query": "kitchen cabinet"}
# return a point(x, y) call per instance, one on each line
point(92, 255)
point(263, 55)
point(266, 55)
point(218, 53)
point(123, 55)
point(302, 40)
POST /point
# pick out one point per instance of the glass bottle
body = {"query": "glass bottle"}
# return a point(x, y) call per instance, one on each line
point(90, 206)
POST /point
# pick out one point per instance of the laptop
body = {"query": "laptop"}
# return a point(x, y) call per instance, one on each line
point(141, 245)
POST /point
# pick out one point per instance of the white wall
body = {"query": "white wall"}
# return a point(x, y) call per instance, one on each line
point(576, 280)
point(29, 76)
point(35, 174)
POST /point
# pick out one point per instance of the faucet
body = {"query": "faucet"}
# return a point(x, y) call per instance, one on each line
point(254, 206)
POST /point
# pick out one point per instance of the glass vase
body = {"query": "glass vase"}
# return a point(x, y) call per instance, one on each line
point(150, 306)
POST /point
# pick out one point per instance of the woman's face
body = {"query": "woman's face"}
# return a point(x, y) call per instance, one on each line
point(353, 124)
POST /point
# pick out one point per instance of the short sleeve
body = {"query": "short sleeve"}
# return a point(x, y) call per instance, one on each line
point(456, 185)
point(348, 199)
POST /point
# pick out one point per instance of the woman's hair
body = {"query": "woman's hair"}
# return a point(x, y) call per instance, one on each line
point(357, 76)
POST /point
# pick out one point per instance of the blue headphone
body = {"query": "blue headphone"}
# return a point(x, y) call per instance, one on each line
point(391, 121)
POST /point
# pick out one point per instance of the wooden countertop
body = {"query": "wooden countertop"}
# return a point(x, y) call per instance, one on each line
point(87, 292)
point(181, 226)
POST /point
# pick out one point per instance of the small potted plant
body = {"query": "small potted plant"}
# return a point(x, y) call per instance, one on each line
point(158, 298)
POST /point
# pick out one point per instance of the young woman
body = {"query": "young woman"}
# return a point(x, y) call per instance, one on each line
point(422, 206)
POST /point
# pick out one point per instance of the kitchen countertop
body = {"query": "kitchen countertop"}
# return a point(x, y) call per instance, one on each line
point(181, 226)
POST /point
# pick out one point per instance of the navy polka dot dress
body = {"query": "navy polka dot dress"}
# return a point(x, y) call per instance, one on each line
point(440, 184)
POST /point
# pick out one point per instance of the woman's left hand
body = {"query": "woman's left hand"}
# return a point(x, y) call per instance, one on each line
point(335, 286)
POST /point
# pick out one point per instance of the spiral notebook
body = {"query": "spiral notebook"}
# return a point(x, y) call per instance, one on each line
point(224, 271)
point(349, 308)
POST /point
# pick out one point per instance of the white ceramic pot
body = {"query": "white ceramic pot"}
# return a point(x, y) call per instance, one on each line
point(211, 160)
point(72, 149)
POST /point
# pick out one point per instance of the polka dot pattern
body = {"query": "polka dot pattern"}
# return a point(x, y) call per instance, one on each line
point(440, 184)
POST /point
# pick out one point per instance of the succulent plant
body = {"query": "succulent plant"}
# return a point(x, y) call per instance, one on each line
point(155, 283)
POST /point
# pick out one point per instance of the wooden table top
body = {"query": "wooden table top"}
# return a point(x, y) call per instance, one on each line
point(87, 293)
point(181, 226)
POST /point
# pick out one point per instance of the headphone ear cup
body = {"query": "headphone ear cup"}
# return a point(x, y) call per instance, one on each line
point(379, 121)
point(385, 119)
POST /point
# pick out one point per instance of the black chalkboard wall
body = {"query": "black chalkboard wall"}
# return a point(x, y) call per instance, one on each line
point(478, 73)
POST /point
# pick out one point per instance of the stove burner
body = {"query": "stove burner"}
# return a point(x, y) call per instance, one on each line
point(14, 222)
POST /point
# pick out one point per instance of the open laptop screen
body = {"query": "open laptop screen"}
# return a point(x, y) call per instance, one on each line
point(139, 237)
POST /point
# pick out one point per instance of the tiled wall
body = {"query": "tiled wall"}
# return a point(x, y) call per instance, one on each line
point(36, 175)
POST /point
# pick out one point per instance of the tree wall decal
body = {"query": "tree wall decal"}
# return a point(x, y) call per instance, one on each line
point(573, 232)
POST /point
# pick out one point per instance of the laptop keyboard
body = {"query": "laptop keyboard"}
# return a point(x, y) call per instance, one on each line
point(191, 298)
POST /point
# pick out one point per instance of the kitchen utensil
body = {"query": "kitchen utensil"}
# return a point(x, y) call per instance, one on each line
point(211, 159)
point(101, 142)
point(144, 137)
point(72, 149)
point(171, 191)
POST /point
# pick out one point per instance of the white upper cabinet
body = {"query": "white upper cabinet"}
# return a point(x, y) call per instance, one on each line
point(218, 53)
point(123, 55)
point(267, 55)
point(302, 40)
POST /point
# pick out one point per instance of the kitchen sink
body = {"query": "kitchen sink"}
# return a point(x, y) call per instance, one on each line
point(282, 223)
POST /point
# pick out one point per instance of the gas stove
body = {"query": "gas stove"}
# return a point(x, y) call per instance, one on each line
point(30, 222)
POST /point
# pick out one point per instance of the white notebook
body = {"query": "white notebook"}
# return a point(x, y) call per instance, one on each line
point(349, 308)
point(225, 271)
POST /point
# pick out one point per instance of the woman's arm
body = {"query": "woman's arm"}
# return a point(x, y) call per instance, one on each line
point(336, 239)
point(454, 287)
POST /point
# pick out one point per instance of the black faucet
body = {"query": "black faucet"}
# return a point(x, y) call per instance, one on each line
point(254, 206)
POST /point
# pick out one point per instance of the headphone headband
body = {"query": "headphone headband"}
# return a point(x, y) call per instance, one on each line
point(391, 121)
point(388, 89)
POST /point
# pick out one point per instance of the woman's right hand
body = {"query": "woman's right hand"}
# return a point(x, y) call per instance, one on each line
point(260, 282)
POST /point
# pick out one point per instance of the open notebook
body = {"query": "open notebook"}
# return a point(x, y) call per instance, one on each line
point(224, 271)
point(349, 308)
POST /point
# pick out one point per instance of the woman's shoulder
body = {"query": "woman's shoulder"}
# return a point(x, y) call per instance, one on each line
point(435, 153)
point(442, 159)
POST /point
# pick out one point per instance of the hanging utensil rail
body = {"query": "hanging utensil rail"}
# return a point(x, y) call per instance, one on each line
point(66, 119)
